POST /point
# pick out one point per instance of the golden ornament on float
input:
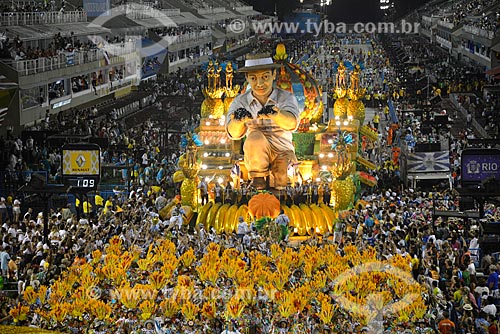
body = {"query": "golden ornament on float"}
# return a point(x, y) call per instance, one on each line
point(189, 192)
point(356, 109)
point(213, 104)
point(342, 194)
point(190, 166)
point(342, 167)
point(340, 107)
point(280, 52)
point(230, 94)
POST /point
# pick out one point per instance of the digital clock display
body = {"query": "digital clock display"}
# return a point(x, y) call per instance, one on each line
point(83, 182)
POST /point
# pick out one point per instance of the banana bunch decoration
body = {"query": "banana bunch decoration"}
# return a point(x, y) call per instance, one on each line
point(224, 217)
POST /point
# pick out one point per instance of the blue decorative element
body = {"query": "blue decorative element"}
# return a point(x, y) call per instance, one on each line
point(349, 65)
point(189, 139)
point(223, 65)
point(298, 91)
point(343, 139)
point(348, 139)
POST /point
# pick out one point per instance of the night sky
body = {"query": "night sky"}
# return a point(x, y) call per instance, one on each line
point(341, 10)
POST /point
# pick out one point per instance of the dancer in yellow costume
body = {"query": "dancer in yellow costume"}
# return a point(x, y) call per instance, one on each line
point(267, 116)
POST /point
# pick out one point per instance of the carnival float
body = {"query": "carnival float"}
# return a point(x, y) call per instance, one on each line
point(329, 153)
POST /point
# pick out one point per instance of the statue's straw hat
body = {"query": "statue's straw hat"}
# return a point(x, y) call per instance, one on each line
point(261, 61)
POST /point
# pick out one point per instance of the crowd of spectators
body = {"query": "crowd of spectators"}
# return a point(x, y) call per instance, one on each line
point(456, 11)
point(486, 22)
point(15, 49)
point(30, 7)
point(482, 110)
point(183, 30)
point(459, 285)
point(448, 75)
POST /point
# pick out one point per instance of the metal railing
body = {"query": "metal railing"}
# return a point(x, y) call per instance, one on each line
point(443, 42)
point(244, 8)
point(34, 18)
point(193, 36)
point(479, 32)
point(446, 24)
point(205, 11)
point(426, 19)
point(66, 59)
point(150, 13)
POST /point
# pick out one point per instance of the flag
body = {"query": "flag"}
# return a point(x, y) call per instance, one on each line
point(392, 111)
point(158, 329)
point(70, 58)
point(106, 57)
point(3, 114)
point(429, 162)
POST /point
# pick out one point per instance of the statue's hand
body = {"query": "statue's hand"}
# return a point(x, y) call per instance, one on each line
point(267, 111)
point(241, 114)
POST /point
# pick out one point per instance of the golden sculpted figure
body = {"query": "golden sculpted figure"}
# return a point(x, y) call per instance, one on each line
point(341, 80)
point(229, 75)
point(218, 70)
point(355, 78)
point(211, 76)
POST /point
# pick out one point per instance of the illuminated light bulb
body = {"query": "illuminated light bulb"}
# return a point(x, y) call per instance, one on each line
point(350, 117)
point(220, 167)
point(295, 230)
point(205, 154)
point(324, 167)
point(220, 180)
point(346, 123)
point(207, 123)
point(318, 179)
point(330, 141)
point(321, 155)
point(207, 142)
point(223, 140)
point(337, 117)
point(329, 180)
point(337, 123)
point(330, 155)
point(204, 166)
point(206, 178)
point(228, 154)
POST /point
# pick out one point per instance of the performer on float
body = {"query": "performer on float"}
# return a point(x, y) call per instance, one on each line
point(177, 218)
point(236, 174)
point(267, 116)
